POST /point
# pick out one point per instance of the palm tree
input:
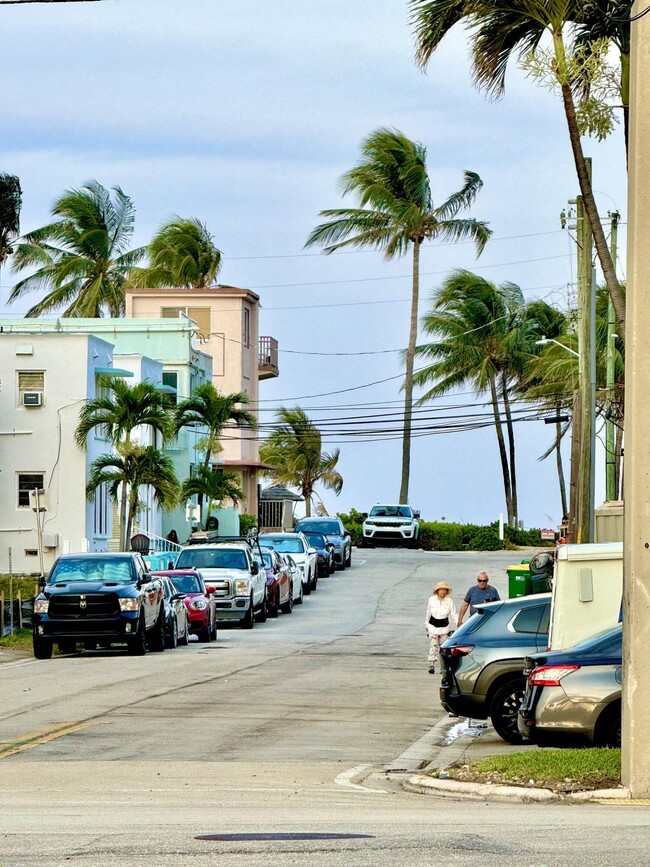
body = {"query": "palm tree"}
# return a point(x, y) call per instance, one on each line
point(208, 408)
point(294, 451)
point(181, 254)
point(10, 204)
point(118, 414)
point(82, 257)
point(396, 214)
point(137, 467)
point(503, 29)
point(213, 484)
point(480, 341)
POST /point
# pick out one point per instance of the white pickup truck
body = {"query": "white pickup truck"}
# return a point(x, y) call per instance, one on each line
point(391, 523)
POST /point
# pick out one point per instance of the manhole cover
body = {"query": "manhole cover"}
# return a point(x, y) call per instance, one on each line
point(228, 838)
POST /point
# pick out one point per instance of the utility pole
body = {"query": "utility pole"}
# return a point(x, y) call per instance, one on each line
point(636, 572)
point(610, 427)
point(587, 367)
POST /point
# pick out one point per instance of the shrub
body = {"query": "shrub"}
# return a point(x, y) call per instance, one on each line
point(353, 523)
point(486, 539)
point(246, 523)
point(440, 536)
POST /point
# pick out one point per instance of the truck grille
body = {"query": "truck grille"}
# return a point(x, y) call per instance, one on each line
point(222, 588)
point(72, 607)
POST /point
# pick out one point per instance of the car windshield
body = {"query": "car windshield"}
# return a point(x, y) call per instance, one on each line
point(212, 558)
point(111, 570)
point(316, 539)
point(268, 560)
point(329, 528)
point(285, 544)
point(390, 512)
point(188, 584)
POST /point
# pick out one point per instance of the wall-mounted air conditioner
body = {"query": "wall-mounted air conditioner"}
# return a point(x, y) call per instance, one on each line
point(32, 398)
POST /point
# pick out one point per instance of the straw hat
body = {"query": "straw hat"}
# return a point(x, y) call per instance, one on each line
point(442, 585)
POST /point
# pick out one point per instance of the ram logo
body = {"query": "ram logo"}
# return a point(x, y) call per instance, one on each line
point(82, 602)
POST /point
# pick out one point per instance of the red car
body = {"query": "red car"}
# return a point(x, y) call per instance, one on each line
point(199, 600)
point(278, 581)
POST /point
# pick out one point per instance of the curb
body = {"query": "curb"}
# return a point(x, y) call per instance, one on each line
point(424, 785)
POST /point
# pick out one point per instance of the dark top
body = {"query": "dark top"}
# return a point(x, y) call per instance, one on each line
point(477, 595)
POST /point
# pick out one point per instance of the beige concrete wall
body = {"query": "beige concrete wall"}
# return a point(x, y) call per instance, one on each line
point(636, 614)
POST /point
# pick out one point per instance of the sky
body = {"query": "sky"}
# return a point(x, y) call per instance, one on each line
point(245, 114)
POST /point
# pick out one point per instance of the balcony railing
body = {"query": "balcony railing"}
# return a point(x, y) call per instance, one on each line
point(268, 358)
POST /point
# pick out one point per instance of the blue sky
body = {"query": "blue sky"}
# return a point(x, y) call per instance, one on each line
point(245, 114)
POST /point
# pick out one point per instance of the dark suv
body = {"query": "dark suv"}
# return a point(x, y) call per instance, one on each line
point(483, 661)
point(334, 532)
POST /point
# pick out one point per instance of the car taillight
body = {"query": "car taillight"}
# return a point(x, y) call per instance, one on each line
point(457, 650)
point(550, 675)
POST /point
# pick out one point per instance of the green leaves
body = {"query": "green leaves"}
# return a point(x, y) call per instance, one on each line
point(181, 254)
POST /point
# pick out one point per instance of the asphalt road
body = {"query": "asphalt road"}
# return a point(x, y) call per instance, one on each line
point(118, 760)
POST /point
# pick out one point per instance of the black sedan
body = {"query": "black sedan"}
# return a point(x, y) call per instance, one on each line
point(177, 627)
point(325, 551)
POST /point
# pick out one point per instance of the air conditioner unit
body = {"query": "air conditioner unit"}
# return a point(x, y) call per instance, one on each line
point(32, 398)
point(50, 540)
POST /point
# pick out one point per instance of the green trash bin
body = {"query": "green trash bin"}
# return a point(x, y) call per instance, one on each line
point(519, 580)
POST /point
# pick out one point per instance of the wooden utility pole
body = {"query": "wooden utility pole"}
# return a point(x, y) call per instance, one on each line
point(636, 573)
point(587, 367)
point(610, 426)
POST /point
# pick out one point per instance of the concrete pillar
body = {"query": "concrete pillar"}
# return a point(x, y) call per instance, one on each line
point(636, 616)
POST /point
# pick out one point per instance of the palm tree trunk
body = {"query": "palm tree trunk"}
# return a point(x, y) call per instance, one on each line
point(560, 468)
point(208, 455)
point(502, 449)
point(584, 179)
point(123, 496)
point(133, 503)
point(625, 99)
point(618, 459)
point(576, 436)
point(408, 376)
point(511, 449)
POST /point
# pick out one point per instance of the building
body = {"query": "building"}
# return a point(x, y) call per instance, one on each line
point(227, 327)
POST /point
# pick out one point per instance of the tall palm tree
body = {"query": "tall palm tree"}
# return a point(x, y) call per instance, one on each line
point(213, 484)
point(481, 342)
point(82, 258)
point(118, 414)
point(139, 467)
point(507, 28)
point(294, 450)
point(181, 254)
point(10, 204)
point(215, 411)
point(396, 214)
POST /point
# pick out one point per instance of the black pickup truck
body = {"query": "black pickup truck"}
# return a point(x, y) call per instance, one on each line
point(99, 599)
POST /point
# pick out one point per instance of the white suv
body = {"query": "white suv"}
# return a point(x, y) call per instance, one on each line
point(391, 523)
point(305, 558)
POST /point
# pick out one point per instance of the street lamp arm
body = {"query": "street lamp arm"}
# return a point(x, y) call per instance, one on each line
point(546, 340)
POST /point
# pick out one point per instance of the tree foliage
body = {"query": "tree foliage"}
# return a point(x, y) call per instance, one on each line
point(182, 254)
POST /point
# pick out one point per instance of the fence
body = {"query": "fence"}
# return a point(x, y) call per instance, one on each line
point(15, 613)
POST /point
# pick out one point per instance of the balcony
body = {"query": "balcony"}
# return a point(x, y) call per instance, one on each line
point(267, 365)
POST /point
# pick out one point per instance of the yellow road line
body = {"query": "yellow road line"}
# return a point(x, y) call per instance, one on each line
point(41, 736)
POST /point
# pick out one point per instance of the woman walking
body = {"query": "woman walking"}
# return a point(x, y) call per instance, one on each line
point(441, 620)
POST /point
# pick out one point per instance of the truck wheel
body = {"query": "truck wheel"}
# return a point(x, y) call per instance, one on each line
point(260, 617)
point(67, 645)
point(137, 646)
point(504, 709)
point(42, 647)
point(248, 621)
point(156, 637)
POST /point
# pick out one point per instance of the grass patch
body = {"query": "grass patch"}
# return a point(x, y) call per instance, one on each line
point(561, 770)
point(26, 586)
point(21, 639)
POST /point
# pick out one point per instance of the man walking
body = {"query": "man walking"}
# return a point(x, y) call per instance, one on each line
point(478, 594)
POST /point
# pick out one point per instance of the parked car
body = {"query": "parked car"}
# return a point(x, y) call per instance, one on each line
point(297, 545)
point(199, 602)
point(93, 598)
point(391, 523)
point(296, 578)
point(239, 583)
point(483, 661)
point(177, 627)
point(278, 581)
point(334, 532)
point(324, 552)
point(573, 697)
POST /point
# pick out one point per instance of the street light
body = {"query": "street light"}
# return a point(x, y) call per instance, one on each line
point(544, 341)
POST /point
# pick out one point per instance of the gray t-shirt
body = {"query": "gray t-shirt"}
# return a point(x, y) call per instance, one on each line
point(477, 595)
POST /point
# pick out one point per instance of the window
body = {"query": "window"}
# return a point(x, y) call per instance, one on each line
point(246, 327)
point(201, 315)
point(528, 619)
point(102, 510)
point(28, 482)
point(170, 377)
point(30, 382)
point(103, 390)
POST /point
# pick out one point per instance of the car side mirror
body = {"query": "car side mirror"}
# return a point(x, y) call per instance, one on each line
point(210, 590)
point(347, 535)
point(41, 582)
point(254, 569)
point(176, 596)
point(416, 515)
point(312, 551)
point(145, 578)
